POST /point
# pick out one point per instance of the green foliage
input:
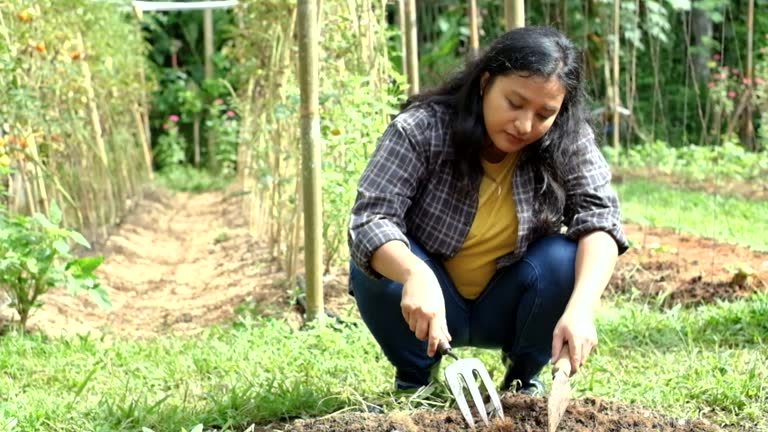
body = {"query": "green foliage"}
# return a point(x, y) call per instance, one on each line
point(35, 256)
point(722, 163)
point(350, 137)
point(223, 124)
point(185, 178)
point(170, 148)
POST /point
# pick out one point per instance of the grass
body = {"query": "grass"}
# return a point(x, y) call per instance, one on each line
point(727, 219)
point(710, 361)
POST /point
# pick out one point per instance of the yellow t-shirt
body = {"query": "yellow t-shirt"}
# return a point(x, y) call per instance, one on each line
point(493, 233)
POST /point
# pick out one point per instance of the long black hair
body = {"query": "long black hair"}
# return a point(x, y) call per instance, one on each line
point(527, 51)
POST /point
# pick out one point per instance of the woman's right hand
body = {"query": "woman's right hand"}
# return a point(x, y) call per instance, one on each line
point(423, 308)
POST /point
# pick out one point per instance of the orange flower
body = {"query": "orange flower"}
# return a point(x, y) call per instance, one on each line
point(40, 47)
point(24, 16)
point(76, 55)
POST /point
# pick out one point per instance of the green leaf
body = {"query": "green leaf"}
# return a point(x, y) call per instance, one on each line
point(31, 264)
point(680, 4)
point(85, 266)
point(61, 246)
point(101, 297)
point(77, 237)
point(43, 221)
point(56, 215)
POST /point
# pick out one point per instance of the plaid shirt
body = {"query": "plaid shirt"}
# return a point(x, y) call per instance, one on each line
point(410, 186)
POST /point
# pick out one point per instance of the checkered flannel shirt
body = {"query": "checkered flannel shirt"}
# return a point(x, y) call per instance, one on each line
point(410, 186)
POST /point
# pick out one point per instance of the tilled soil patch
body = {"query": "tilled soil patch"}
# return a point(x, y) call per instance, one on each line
point(522, 414)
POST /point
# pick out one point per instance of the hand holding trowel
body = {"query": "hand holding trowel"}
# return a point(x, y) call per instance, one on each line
point(561, 388)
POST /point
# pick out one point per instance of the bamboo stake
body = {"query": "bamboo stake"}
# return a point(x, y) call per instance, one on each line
point(749, 131)
point(474, 35)
point(412, 47)
point(514, 13)
point(144, 143)
point(38, 173)
point(616, 70)
point(310, 137)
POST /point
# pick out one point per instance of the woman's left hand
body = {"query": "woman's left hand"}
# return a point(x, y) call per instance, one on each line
point(577, 329)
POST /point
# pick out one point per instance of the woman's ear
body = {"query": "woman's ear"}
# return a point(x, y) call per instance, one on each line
point(483, 81)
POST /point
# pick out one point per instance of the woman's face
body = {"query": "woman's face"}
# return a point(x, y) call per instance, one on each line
point(518, 110)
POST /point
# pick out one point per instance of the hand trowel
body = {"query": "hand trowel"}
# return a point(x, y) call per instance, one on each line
point(561, 389)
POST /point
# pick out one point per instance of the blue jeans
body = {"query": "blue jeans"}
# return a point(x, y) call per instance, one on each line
point(517, 312)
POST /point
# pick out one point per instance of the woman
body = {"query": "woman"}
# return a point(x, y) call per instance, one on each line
point(455, 235)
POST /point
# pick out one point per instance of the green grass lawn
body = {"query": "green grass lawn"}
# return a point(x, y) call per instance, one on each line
point(685, 362)
point(709, 361)
point(728, 219)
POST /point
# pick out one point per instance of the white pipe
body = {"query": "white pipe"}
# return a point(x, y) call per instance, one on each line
point(179, 6)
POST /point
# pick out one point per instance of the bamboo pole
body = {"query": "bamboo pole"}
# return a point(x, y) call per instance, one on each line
point(98, 132)
point(616, 69)
point(143, 139)
point(474, 35)
point(213, 163)
point(401, 22)
point(749, 131)
point(412, 47)
point(310, 140)
point(514, 13)
point(38, 173)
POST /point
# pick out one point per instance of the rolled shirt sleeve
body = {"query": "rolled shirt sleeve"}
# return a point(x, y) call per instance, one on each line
point(385, 192)
point(591, 202)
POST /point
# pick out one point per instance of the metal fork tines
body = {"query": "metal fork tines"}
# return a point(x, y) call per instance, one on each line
point(461, 375)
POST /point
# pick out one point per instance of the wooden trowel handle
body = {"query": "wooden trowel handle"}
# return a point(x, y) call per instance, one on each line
point(563, 363)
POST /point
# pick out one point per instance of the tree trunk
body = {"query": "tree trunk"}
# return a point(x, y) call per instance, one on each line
point(310, 145)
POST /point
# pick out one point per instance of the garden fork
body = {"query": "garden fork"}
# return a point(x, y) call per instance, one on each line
point(461, 374)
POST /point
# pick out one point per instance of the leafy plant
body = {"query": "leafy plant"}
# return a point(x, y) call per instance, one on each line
point(35, 256)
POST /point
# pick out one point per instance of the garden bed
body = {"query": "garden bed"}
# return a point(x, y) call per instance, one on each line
point(522, 413)
point(687, 270)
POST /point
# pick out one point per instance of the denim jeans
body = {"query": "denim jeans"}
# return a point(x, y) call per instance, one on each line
point(517, 312)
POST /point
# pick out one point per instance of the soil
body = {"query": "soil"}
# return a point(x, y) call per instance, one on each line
point(687, 270)
point(182, 262)
point(522, 414)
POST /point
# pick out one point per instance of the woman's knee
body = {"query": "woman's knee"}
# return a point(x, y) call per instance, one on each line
point(554, 258)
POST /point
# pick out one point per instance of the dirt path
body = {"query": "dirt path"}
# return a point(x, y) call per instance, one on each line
point(177, 264)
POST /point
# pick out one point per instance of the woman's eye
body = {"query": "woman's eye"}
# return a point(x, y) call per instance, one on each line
point(543, 117)
point(512, 104)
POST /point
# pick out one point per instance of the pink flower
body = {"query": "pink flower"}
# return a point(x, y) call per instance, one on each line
point(731, 94)
point(719, 76)
point(746, 81)
point(711, 84)
point(174, 118)
point(759, 81)
point(218, 101)
point(735, 71)
point(716, 57)
point(166, 126)
point(230, 114)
